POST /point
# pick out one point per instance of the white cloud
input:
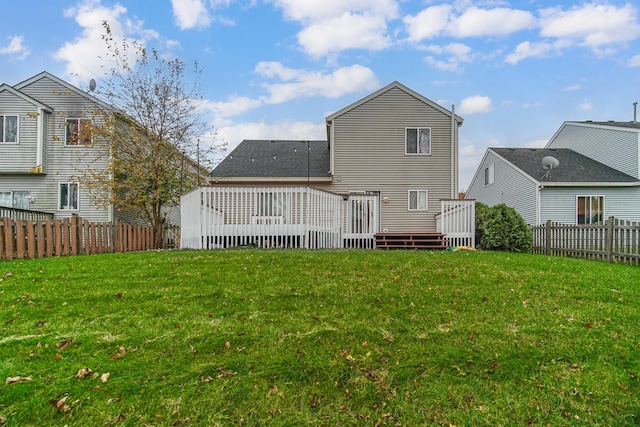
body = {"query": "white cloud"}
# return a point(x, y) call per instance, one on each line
point(332, 26)
point(15, 49)
point(586, 106)
point(457, 53)
point(428, 23)
point(303, 83)
point(442, 20)
point(234, 134)
point(597, 26)
point(86, 56)
point(537, 143)
point(349, 31)
point(190, 14)
point(233, 106)
point(475, 22)
point(635, 61)
point(529, 50)
point(310, 11)
point(572, 88)
point(475, 104)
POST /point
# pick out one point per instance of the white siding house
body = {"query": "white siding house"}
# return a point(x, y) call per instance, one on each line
point(596, 175)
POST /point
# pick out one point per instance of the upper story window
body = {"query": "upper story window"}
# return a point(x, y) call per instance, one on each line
point(8, 128)
point(77, 131)
point(417, 141)
point(489, 174)
point(418, 200)
point(68, 196)
point(590, 209)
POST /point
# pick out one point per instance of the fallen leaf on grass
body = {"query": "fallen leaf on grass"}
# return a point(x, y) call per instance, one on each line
point(2, 419)
point(121, 353)
point(227, 344)
point(63, 344)
point(11, 380)
point(7, 273)
point(104, 377)
point(115, 399)
point(83, 372)
point(587, 325)
point(60, 404)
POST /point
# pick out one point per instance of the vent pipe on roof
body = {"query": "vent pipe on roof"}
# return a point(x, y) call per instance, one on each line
point(635, 111)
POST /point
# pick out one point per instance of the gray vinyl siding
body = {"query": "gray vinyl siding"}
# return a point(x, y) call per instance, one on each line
point(510, 186)
point(64, 163)
point(559, 204)
point(369, 155)
point(19, 157)
point(614, 147)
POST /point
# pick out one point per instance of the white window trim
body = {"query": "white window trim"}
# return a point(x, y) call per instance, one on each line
point(67, 209)
point(17, 141)
point(66, 128)
point(492, 175)
point(591, 196)
point(426, 200)
point(417, 128)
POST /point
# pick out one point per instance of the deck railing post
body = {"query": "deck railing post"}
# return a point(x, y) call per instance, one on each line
point(547, 243)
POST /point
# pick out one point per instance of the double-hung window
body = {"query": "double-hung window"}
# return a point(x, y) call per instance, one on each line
point(68, 196)
point(590, 209)
point(77, 131)
point(418, 200)
point(417, 141)
point(9, 129)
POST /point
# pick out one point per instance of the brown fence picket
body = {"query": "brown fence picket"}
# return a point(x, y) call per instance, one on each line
point(70, 236)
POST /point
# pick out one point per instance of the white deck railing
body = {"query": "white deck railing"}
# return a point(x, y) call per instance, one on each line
point(457, 220)
point(274, 217)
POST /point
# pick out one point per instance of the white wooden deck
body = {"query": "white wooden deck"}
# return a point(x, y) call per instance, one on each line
point(298, 217)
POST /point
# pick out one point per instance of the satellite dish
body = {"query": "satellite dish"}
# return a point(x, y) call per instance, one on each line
point(92, 85)
point(550, 162)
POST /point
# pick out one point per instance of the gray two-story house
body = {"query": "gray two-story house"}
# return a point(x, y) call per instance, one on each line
point(587, 172)
point(45, 140)
point(391, 157)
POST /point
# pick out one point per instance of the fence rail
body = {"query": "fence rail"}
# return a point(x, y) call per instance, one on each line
point(24, 214)
point(614, 241)
point(71, 236)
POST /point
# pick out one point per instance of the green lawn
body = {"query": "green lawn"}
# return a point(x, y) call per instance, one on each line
point(290, 338)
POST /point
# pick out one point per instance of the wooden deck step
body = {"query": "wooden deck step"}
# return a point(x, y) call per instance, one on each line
point(410, 241)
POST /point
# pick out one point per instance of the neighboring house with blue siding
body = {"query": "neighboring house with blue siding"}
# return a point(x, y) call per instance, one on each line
point(595, 175)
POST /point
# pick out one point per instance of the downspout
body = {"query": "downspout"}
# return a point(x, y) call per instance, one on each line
point(454, 154)
point(539, 188)
point(40, 140)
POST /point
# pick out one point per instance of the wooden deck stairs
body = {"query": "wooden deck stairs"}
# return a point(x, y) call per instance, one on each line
point(431, 241)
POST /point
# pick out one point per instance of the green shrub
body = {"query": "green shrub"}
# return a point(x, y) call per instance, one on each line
point(482, 213)
point(501, 228)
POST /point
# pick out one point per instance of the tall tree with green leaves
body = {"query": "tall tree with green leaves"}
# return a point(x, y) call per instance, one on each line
point(153, 131)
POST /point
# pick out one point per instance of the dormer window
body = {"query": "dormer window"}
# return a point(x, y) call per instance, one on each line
point(77, 132)
point(9, 129)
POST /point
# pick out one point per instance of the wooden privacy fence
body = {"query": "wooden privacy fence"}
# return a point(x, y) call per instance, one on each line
point(614, 241)
point(71, 236)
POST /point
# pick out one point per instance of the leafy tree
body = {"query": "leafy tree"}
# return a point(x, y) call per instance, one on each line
point(151, 130)
point(502, 229)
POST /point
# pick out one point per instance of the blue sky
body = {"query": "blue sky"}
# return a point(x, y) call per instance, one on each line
point(274, 69)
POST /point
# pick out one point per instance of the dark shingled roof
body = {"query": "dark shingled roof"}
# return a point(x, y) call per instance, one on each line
point(573, 167)
point(275, 159)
